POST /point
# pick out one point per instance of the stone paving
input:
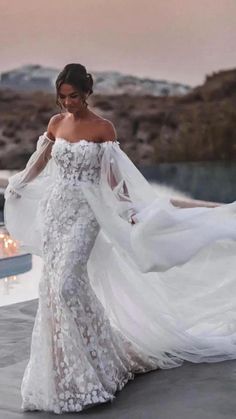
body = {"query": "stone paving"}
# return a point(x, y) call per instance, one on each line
point(192, 391)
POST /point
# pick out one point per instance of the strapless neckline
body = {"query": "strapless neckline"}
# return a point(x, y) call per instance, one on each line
point(84, 141)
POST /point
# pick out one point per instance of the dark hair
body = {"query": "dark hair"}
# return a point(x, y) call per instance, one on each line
point(76, 75)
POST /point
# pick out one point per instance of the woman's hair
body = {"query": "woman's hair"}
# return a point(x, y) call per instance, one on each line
point(76, 75)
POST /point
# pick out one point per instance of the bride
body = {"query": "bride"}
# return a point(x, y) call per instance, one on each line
point(131, 282)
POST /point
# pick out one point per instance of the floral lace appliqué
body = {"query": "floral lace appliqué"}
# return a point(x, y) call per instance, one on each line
point(77, 358)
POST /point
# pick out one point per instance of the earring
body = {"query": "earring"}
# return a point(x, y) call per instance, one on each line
point(85, 104)
point(61, 109)
point(58, 103)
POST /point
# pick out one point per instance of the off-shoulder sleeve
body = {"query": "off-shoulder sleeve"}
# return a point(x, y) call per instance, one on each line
point(113, 175)
point(122, 189)
point(121, 181)
point(26, 191)
point(35, 165)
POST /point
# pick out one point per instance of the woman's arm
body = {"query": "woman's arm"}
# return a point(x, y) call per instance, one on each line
point(192, 203)
point(36, 163)
point(108, 133)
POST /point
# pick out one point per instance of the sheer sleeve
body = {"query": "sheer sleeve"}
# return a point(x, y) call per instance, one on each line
point(23, 217)
point(35, 165)
point(119, 188)
point(121, 182)
point(120, 192)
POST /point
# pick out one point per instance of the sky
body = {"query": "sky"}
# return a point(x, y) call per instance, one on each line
point(175, 40)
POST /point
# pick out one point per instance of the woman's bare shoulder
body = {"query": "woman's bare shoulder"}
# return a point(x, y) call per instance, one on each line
point(107, 130)
point(56, 119)
point(53, 125)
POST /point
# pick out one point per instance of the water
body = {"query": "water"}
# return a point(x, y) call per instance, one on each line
point(210, 181)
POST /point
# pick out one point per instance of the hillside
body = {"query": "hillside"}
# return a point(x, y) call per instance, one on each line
point(36, 77)
point(200, 126)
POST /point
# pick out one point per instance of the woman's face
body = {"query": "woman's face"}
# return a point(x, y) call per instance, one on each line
point(70, 98)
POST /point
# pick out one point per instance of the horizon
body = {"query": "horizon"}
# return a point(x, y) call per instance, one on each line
point(127, 74)
point(94, 71)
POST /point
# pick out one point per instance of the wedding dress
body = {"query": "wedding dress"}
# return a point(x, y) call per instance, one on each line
point(116, 299)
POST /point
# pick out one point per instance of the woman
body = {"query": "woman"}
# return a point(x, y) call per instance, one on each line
point(130, 282)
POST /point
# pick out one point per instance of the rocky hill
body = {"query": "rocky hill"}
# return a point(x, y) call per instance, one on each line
point(199, 126)
point(35, 77)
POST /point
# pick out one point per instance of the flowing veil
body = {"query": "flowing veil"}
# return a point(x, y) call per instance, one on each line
point(167, 282)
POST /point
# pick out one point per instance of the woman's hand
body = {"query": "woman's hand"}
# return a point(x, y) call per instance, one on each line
point(131, 214)
point(131, 220)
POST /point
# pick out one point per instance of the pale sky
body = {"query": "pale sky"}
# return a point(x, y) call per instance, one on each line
point(175, 40)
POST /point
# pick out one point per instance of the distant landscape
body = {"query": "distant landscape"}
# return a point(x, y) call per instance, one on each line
point(178, 125)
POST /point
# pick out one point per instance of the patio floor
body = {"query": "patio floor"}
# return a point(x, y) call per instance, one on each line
point(193, 391)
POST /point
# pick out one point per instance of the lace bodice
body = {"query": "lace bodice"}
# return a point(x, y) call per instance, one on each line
point(78, 161)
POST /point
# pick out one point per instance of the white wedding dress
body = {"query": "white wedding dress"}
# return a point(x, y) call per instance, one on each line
point(116, 299)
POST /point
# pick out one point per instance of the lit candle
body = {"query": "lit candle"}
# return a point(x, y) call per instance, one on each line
point(8, 246)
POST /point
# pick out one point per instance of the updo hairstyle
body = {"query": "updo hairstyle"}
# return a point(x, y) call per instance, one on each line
point(77, 76)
